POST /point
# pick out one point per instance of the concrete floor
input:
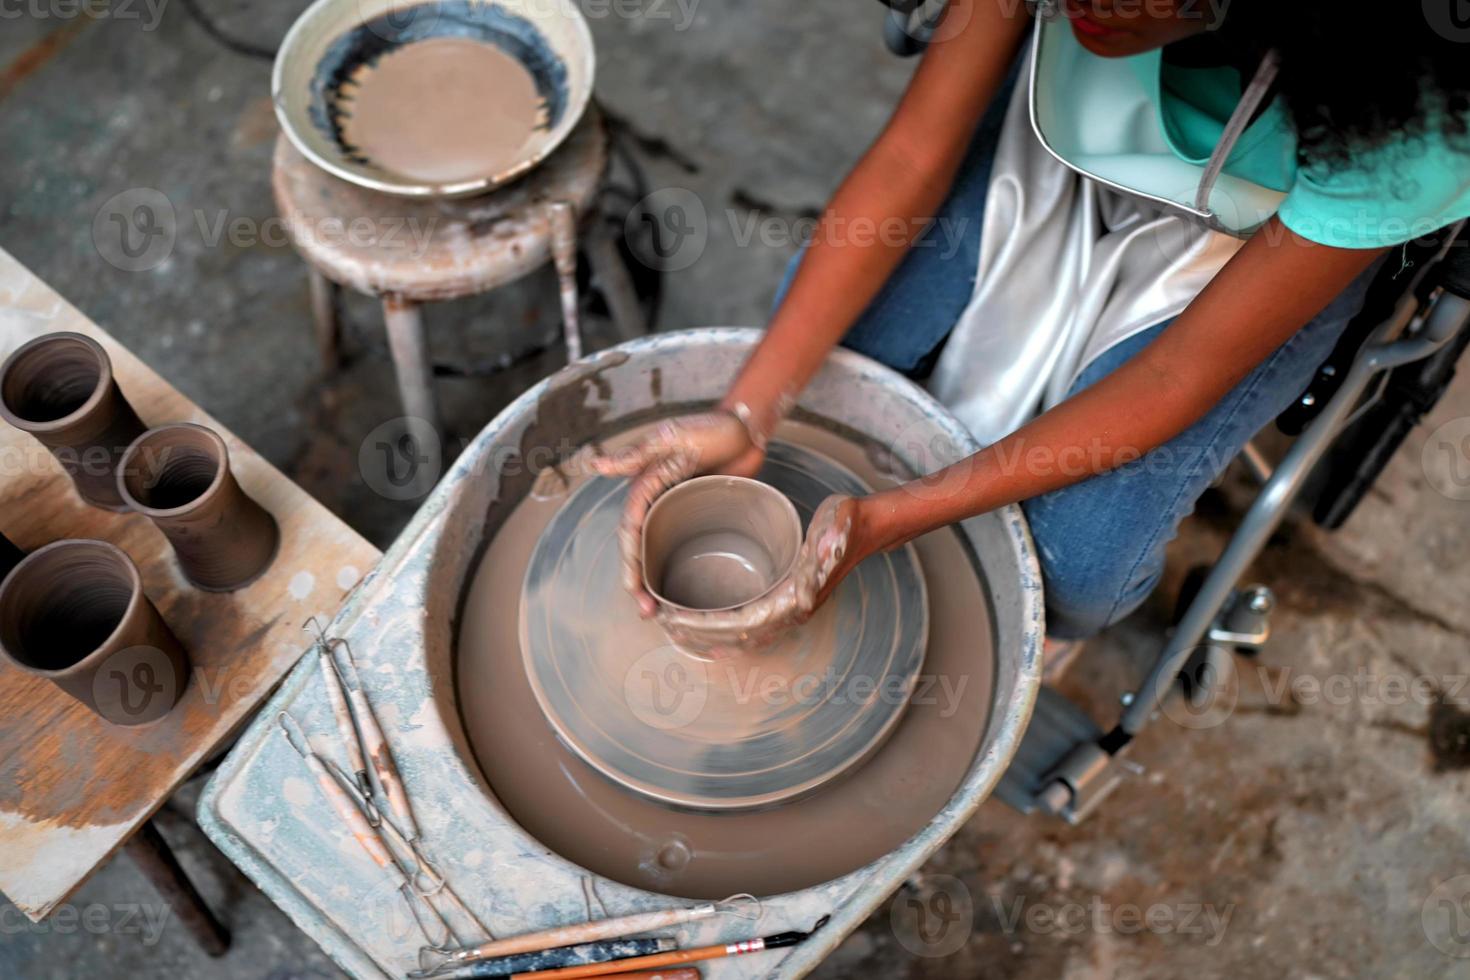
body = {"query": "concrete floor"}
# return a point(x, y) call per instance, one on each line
point(1311, 826)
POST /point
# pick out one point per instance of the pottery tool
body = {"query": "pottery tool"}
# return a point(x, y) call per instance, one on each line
point(433, 962)
point(678, 973)
point(779, 940)
point(346, 730)
point(426, 879)
point(364, 832)
point(585, 954)
point(375, 747)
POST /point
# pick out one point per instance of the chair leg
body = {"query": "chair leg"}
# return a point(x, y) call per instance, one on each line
point(411, 359)
point(151, 853)
point(612, 277)
point(325, 304)
point(563, 218)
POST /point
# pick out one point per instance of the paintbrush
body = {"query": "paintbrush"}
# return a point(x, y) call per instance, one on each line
point(583, 932)
point(596, 954)
point(675, 958)
point(678, 973)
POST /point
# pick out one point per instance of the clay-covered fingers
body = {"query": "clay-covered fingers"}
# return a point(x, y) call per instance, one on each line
point(712, 439)
point(676, 450)
point(824, 552)
point(647, 486)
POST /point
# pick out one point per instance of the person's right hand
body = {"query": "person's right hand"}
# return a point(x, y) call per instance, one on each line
point(681, 447)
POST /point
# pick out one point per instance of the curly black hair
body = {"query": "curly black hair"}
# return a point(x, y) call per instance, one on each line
point(1355, 75)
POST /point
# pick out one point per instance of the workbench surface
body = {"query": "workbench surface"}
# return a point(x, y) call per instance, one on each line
point(73, 788)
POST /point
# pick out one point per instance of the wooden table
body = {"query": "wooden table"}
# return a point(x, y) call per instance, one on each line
point(73, 788)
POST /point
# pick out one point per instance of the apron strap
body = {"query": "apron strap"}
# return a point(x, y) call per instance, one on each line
point(1255, 93)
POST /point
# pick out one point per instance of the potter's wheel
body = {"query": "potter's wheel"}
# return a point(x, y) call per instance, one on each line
point(753, 731)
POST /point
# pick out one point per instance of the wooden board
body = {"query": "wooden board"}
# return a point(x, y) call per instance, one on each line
point(73, 787)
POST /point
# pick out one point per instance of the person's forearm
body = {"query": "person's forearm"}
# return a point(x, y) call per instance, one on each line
point(1254, 305)
point(883, 206)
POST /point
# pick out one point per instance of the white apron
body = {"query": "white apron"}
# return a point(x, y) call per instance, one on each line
point(1094, 230)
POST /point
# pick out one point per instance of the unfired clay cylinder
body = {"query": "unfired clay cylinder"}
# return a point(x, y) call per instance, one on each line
point(74, 612)
point(179, 477)
point(60, 389)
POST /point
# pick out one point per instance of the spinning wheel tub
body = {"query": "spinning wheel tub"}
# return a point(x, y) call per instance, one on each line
point(402, 624)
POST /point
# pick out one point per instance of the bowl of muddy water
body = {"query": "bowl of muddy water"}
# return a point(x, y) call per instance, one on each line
point(712, 546)
point(443, 98)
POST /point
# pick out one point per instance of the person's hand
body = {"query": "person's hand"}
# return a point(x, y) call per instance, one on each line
point(836, 540)
point(689, 445)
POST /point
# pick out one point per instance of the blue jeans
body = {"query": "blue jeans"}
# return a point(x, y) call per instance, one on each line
point(1101, 542)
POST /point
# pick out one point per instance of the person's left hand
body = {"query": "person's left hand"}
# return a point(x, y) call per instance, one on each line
point(835, 542)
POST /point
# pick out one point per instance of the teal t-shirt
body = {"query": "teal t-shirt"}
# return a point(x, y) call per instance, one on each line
point(1399, 191)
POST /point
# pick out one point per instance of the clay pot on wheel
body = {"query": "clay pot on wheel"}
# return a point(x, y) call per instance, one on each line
point(60, 389)
point(74, 612)
point(179, 477)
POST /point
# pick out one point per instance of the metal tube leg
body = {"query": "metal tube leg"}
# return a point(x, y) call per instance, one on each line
point(151, 853)
point(563, 219)
point(613, 279)
point(325, 295)
point(411, 359)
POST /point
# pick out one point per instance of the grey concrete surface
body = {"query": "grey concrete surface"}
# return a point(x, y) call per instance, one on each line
point(1310, 823)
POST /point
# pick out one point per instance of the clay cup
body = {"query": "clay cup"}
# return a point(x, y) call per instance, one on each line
point(60, 389)
point(74, 612)
point(179, 477)
point(714, 544)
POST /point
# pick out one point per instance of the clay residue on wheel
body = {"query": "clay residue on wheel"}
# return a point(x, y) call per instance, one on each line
point(583, 816)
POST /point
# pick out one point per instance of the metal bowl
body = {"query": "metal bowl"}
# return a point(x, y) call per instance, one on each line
point(334, 38)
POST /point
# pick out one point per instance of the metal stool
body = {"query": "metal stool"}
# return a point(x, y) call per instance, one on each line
point(407, 251)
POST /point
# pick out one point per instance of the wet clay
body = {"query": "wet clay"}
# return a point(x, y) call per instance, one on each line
point(442, 110)
point(582, 815)
point(74, 613)
point(716, 542)
point(60, 389)
point(179, 477)
point(663, 712)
